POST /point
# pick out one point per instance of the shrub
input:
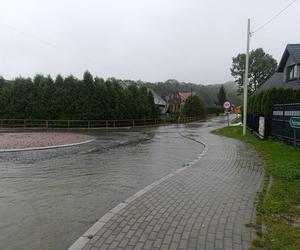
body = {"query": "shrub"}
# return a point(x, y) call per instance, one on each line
point(262, 102)
point(194, 106)
point(215, 109)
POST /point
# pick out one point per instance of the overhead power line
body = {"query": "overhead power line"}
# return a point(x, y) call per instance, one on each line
point(274, 17)
point(72, 52)
point(30, 35)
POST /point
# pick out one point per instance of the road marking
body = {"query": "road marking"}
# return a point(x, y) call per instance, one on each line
point(43, 148)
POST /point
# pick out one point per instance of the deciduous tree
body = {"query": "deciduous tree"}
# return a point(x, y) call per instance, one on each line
point(261, 67)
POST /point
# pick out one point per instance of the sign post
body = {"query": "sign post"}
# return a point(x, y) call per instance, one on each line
point(226, 106)
point(295, 124)
point(261, 127)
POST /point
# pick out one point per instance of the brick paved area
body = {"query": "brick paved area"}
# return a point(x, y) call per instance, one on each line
point(205, 206)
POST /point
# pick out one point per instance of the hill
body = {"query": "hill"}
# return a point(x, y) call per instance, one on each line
point(207, 92)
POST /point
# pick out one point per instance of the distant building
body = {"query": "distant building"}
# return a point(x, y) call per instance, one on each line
point(177, 100)
point(174, 102)
point(287, 74)
point(160, 102)
point(184, 96)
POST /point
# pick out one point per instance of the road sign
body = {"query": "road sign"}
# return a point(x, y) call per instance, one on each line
point(237, 110)
point(226, 105)
point(295, 122)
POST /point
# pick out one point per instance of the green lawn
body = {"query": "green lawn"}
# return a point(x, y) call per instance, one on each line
point(279, 210)
point(236, 120)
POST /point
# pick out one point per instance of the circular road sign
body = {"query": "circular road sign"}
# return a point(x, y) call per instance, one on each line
point(226, 105)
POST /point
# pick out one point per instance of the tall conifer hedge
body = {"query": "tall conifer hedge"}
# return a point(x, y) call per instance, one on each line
point(262, 102)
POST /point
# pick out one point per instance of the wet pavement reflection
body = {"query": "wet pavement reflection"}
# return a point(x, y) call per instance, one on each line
point(49, 198)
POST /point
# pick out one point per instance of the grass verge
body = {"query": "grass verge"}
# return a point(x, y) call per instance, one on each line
point(278, 211)
point(236, 120)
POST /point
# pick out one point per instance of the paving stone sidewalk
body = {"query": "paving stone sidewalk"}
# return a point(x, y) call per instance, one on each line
point(205, 206)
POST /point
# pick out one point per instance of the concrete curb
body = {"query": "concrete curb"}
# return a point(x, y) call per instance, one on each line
point(43, 148)
point(91, 232)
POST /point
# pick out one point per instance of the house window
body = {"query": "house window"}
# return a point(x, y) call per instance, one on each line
point(291, 72)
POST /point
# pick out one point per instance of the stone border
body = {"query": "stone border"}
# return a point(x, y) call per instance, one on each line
point(91, 232)
point(45, 147)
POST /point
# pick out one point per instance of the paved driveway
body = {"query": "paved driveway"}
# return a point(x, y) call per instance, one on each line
point(206, 205)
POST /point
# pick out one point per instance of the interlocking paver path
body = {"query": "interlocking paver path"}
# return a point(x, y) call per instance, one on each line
point(206, 206)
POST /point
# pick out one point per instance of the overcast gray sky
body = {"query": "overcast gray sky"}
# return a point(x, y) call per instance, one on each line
point(151, 40)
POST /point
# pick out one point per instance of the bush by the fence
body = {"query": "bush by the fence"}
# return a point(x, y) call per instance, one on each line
point(215, 109)
point(194, 106)
point(262, 102)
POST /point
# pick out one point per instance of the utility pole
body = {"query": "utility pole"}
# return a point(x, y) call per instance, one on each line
point(246, 80)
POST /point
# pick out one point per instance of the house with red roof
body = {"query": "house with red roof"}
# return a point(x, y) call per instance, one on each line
point(184, 96)
point(177, 100)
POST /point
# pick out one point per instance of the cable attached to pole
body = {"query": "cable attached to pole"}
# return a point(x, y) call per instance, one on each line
point(274, 17)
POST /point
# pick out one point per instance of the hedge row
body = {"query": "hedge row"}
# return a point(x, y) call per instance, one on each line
point(262, 102)
point(215, 109)
point(76, 99)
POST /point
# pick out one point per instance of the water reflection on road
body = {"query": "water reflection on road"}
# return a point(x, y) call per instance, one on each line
point(49, 198)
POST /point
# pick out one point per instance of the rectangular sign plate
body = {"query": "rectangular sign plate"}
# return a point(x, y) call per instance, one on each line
point(295, 122)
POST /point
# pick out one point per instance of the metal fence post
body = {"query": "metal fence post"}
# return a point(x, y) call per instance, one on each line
point(106, 124)
point(133, 123)
point(283, 116)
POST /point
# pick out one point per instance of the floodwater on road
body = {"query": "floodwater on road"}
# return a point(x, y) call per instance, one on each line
point(49, 198)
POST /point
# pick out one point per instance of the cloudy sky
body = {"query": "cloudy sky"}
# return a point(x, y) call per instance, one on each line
point(151, 40)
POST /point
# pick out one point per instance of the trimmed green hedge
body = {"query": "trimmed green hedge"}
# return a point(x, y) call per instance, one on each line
point(262, 102)
point(215, 109)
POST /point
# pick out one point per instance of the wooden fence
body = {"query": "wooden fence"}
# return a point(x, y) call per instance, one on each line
point(88, 124)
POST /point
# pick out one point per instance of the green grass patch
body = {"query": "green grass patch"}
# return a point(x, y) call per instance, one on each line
point(280, 209)
point(236, 120)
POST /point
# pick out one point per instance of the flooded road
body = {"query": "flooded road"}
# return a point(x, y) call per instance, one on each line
point(49, 198)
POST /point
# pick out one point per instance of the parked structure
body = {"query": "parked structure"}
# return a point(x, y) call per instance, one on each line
point(287, 74)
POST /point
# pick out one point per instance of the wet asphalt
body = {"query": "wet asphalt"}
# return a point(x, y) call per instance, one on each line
point(49, 198)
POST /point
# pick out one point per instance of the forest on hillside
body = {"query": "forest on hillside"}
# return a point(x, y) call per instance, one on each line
point(70, 98)
point(207, 92)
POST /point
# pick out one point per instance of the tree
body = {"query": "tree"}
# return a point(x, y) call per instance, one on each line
point(194, 106)
point(2, 81)
point(261, 67)
point(71, 98)
point(221, 96)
